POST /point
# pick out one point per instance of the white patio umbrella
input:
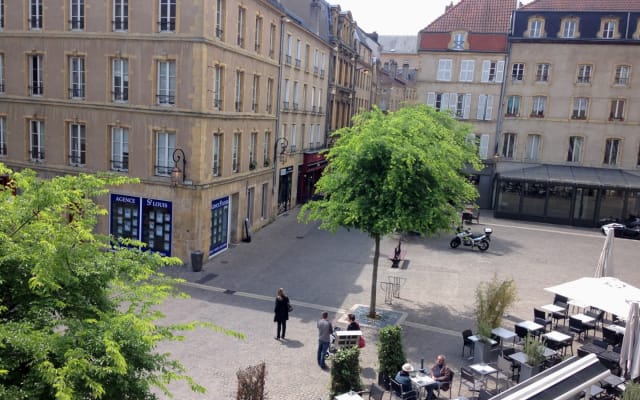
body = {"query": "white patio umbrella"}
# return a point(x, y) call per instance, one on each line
point(605, 262)
point(630, 351)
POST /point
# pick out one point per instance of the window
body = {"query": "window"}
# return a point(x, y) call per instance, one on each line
point(217, 138)
point(255, 93)
point(492, 71)
point(235, 164)
point(77, 144)
point(295, 95)
point(462, 105)
point(622, 75)
point(265, 199)
point(269, 95)
point(293, 135)
point(120, 15)
point(322, 64)
point(535, 28)
point(285, 104)
point(609, 29)
point(513, 106)
point(1, 14)
point(219, 19)
point(3, 136)
point(439, 101)
point(611, 152)
point(569, 28)
point(319, 100)
point(485, 107)
point(458, 40)
point(580, 105)
point(584, 73)
point(252, 150)
point(313, 99)
point(298, 53)
point(258, 35)
point(538, 106)
point(167, 14)
point(240, 26)
point(508, 145)
point(36, 140)
point(444, 70)
point(316, 61)
point(166, 94)
point(265, 148)
point(466, 70)
point(36, 87)
point(76, 22)
point(76, 78)
point(272, 40)
point(482, 141)
point(288, 54)
point(165, 145)
point(239, 90)
point(217, 87)
point(120, 79)
point(533, 148)
point(1, 71)
point(307, 57)
point(575, 149)
point(542, 72)
point(617, 110)
point(517, 72)
point(119, 148)
point(35, 14)
point(304, 97)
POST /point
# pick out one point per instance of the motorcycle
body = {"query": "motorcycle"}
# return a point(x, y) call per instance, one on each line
point(468, 238)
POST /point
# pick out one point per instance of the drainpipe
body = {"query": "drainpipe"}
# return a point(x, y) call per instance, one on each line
point(283, 19)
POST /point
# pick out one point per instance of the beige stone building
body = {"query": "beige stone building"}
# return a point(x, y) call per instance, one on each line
point(185, 86)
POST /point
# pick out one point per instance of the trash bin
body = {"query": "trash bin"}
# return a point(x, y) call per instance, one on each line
point(196, 260)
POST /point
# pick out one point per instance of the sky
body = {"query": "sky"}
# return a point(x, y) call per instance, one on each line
point(394, 17)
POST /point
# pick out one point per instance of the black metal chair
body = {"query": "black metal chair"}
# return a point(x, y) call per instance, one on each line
point(610, 336)
point(598, 315)
point(466, 342)
point(467, 379)
point(560, 315)
point(521, 332)
point(375, 392)
point(540, 317)
point(576, 326)
point(398, 391)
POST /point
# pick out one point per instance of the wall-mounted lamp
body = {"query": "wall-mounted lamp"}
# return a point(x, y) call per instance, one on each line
point(178, 155)
point(283, 148)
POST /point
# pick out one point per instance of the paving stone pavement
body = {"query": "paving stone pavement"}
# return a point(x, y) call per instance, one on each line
point(325, 271)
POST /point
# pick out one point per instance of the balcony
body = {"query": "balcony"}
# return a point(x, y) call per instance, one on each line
point(166, 26)
point(77, 160)
point(287, 59)
point(257, 47)
point(165, 99)
point(254, 107)
point(36, 90)
point(616, 117)
point(36, 156)
point(217, 103)
point(579, 115)
point(537, 114)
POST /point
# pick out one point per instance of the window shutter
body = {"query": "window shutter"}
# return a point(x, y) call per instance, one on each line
point(466, 106)
point(431, 99)
point(489, 110)
point(453, 101)
point(486, 65)
point(500, 71)
point(444, 101)
point(482, 101)
point(483, 150)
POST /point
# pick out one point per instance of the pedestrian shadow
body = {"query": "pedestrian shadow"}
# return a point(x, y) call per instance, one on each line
point(293, 344)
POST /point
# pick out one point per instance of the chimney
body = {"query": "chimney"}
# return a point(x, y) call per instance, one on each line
point(448, 7)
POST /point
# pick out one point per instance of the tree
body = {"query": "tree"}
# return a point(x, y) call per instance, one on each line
point(78, 312)
point(396, 172)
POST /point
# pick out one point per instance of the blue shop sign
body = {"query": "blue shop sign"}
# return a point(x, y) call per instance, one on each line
point(219, 225)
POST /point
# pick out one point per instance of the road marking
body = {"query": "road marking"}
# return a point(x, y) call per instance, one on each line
point(590, 235)
point(318, 307)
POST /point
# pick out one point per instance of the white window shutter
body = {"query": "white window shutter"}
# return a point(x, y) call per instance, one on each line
point(486, 65)
point(472, 67)
point(483, 150)
point(500, 71)
point(444, 101)
point(482, 101)
point(487, 114)
point(431, 99)
point(466, 106)
point(453, 101)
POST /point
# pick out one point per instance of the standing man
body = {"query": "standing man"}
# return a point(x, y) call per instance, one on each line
point(324, 338)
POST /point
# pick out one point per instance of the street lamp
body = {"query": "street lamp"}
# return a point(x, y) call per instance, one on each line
point(178, 155)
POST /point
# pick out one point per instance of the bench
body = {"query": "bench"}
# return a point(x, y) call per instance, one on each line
point(396, 260)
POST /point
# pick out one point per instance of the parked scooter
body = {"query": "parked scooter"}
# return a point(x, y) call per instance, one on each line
point(468, 238)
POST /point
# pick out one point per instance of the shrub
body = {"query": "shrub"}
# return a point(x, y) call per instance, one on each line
point(251, 382)
point(345, 371)
point(493, 298)
point(391, 354)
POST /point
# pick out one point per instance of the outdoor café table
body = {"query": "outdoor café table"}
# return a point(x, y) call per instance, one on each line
point(558, 337)
point(421, 380)
point(521, 357)
point(591, 348)
point(617, 328)
point(503, 334)
point(584, 318)
point(349, 396)
point(551, 308)
point(484, 370)
point(533, 328)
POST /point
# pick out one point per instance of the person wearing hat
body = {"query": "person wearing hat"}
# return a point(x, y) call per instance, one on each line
point(403, 378)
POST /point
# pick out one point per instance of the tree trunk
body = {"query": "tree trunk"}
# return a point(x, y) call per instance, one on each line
point(374, 278)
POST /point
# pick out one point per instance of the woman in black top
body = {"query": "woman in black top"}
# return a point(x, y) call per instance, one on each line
point(353, 325)
point(281, 313)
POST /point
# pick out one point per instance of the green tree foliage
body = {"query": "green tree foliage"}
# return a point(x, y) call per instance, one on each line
point(78, 317)
point(401, 171)
point(345, 371)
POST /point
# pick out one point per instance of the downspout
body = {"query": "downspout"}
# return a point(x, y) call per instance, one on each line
point(283, 19)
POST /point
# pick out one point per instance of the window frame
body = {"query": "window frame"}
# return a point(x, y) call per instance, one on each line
point(538, 106)
point(616, 112)
point(167, 10)
point(517, 72)
point(36, 79)
point(3, 135)
point(76, 15)
point(257, 38)
point(255, 93)
point(36, 150)
point(576, 146)
point(165, 145)
point(120, 148)
point(580, 108)
point(166, 82)
point(77, 77)
point(2, 71)
point(584, 73)
point(508, 147)
point(239, 90)
point(77, 144)
point(266, 146)
point(612, 151)
point(36, 14)
point(467, 70)
point(532, 152)
point(241, 26)
point(120, 16)
point(220, 22)
point(569, 28)
point(218, 86)
point(216, 155)
point(120, 71)
point(622, 74)
point(512, 108)
point(542, 72)
point(536, 28)
point(444, 71)
point(235, 153)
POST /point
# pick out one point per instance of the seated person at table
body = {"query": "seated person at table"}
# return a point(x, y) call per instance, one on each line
point(403, 378)
point(441, 374)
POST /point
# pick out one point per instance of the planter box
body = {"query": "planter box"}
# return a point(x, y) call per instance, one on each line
point(483, 352)
point(527, 371)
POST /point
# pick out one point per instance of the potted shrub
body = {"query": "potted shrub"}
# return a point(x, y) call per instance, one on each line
point(345, 371)
point(535, 357)
point(391, 354)
point(493, 299)
point(631, 391)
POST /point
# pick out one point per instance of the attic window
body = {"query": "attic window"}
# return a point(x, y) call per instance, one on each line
point(459, 39)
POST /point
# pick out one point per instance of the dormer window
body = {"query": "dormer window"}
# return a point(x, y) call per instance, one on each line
point(536, 28)
point(609, 29)
point(569, 28)
point(458, 41)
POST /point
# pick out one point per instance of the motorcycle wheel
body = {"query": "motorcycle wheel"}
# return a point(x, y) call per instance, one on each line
point(483, 245)
point(455, 242)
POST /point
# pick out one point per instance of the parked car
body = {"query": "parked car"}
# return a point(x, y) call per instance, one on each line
point(621, 230)
point(630, 221)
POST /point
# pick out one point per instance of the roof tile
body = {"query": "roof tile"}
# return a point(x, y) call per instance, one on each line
point(583, 5)
point(475, 16)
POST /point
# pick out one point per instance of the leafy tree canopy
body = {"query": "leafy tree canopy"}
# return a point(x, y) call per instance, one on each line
point(78, 317)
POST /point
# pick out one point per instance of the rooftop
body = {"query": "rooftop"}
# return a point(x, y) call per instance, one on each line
point(583, 5)
point(484, 16)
